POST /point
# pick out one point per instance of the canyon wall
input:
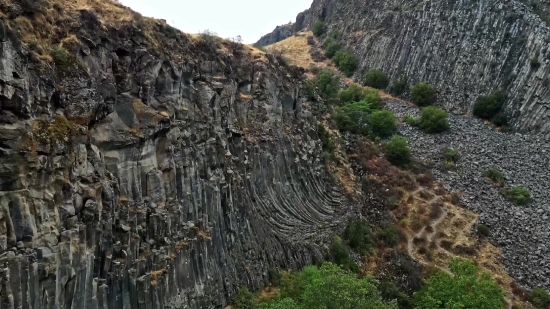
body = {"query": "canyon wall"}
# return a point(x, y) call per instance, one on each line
point(465, 48)
point(144, 168)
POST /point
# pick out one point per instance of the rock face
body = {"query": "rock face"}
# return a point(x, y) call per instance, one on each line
point(278, 34)
point(520, 231)
point(464, 48)
point(133, 177)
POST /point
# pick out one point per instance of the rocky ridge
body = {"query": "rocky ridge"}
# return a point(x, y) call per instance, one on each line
point(521, 232)
point(464, 48)
point(144, 168)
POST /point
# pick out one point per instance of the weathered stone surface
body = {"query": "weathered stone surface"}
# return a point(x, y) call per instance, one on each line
point(520, 231)
point(144, 179)
point(464, 48)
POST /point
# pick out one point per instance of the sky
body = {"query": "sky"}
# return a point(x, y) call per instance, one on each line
point(227, 18)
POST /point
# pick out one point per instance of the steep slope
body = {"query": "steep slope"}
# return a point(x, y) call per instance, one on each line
point(464, 48)
point(144, 168)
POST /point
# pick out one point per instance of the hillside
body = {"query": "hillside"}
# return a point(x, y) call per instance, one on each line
point(144, 167)
point(465, 49)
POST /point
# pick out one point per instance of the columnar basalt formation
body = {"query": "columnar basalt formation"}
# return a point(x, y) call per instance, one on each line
point(464, 48)
point(137, 176)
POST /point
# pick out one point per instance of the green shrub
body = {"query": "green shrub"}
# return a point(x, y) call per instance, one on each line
point(494, 175)
point(373, 98)
point(397, 151)
point(244, 300)
point(535, 63)
point(335, 34)
point(376, 79)
point(540, 298)
point(483, 230)
point(390, 291)
point(340, 255)
point(358, 237)
point(382, 123)
point(400, 86)
point(354, 93)
point(326, 140)
point(488, 107)
point(413, 121)
point(331, 48)
point(353, 117)
point(274, 277)
point(60, 56)
point(310, 87)
point(389, 235)
point(451, 155)
point(433, 120)
point(328, 83)
point(500, 120)
point(518, 195)
point(319, 28)
point(345, 61)
point(423, 94)
point(329, 286)
point(465, 288)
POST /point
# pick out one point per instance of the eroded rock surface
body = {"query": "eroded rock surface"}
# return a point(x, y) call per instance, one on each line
point(464, 48)
point(521, 232)
point(136, 177)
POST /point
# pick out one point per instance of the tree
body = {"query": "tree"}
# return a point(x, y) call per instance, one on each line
point(331, 48)
point(464, 289)
point(397, 150)
point(353, 117)
point(487, 107)
point(376, 79)
point(332, 287)
point(328, 83)
point(244, 299)
point(400, 86)
point(382, 123)
point(345, 61)
point(423, 94)
point(319, 28)
point(285, 303)
point(433, 120)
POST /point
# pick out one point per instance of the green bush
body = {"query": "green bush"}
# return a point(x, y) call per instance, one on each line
point(519, 195)
point(353, 117)
point(376, 79)
point(60, 56)
point(329, 287)
point(389, 235)
point(319, 28)
point(483, 230)
point(339, 253)
point(540, 298)
point(373, 98)
point(390, 291)
point(354, 93)
point(274, 277)
point(358, 237)
point(433, 120)
point(382, 123)
point(328, 83)
point(465, 288)
point(413, 121)
point(494, 175)
point(345, 61)
point(331, 48)
point(487, 107)
point(451, 155)
point(397, 151)
point(423, 94)
point(400, 86)
point(244, 299)
point(335, 34)
point(326, 140)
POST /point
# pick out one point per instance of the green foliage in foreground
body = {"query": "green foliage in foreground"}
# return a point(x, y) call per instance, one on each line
point(328, 287)
point(466, 289)
point(519, 195)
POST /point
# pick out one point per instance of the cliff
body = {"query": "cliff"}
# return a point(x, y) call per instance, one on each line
point(145, 168)
point(464, 48)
